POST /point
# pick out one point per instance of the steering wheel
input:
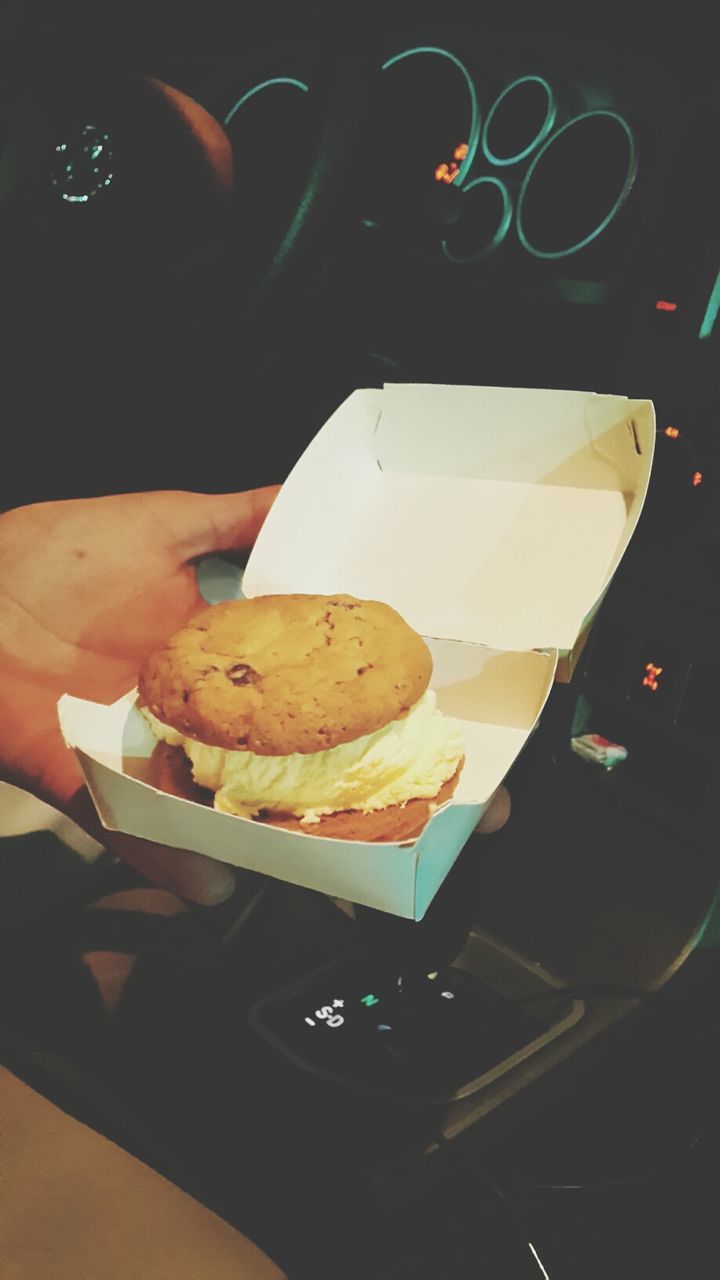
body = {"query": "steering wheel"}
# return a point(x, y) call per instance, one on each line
point(134, 247)
point(344, 80)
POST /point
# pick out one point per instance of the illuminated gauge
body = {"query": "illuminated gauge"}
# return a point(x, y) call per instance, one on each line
point(520, 118)
point(264, 126)
point(426, 128)
point(281, 87)
point(576, 185)
point(82, 165)
point(271, 132)
point(484, 222)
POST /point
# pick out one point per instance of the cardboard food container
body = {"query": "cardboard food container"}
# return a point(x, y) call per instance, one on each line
point(493, 520)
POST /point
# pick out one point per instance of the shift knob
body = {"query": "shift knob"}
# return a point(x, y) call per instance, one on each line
point(411, 948)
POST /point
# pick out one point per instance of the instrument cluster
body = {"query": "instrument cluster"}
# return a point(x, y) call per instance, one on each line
point(528, 210)
point(520, 164)
point(550, 151)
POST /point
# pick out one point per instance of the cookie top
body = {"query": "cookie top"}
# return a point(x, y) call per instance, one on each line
point(286, 673)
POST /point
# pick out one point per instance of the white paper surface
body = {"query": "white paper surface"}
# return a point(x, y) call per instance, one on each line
point(514, 559)
point(492, 519)
point(114, 746)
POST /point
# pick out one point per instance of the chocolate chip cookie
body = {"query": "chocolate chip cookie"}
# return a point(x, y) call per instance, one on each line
point(280, 674)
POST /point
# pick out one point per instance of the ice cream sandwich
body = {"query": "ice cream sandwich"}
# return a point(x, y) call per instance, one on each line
point(311, 712)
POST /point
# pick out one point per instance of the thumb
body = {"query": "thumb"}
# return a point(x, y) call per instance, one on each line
point(496, 814)
point(194, 876)
point(203, 523)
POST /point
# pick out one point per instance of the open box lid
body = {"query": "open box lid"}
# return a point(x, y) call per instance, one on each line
point(490, 515)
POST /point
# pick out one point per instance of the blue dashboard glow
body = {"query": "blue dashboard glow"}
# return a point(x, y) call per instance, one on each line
point(503, 225)
point(473, 134)
point(617, 204)
point(711, 311)
point(543, 131)
point(257, 88)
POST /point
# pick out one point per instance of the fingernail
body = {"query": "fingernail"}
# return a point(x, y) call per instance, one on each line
point(215, 887)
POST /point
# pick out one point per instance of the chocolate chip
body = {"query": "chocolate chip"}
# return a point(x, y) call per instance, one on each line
point(240, 673)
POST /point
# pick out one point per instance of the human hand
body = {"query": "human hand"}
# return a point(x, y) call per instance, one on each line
point(88, 587)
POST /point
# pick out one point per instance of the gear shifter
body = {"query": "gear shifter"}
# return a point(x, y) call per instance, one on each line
point(412, 949)
point(392, 1016)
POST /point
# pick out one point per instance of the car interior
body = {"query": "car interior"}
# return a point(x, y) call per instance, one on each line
point(212, 233)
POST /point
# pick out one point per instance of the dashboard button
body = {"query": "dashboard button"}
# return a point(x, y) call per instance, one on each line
point(658, 679)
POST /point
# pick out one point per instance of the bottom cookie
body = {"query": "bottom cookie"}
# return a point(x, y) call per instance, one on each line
point(172, 772)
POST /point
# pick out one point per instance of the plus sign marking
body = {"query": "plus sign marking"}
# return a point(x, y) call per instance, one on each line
point(326, 1014)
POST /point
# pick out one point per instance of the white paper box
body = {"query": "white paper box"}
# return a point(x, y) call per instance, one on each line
point(493, 520)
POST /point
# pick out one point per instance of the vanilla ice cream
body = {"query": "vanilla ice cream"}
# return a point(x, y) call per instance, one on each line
point(407, 759)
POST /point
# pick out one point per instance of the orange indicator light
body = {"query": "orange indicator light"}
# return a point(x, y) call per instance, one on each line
point(697, 479)
point(651, 679)
point(661, 305)
point(672, 432)
point(449, 172)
